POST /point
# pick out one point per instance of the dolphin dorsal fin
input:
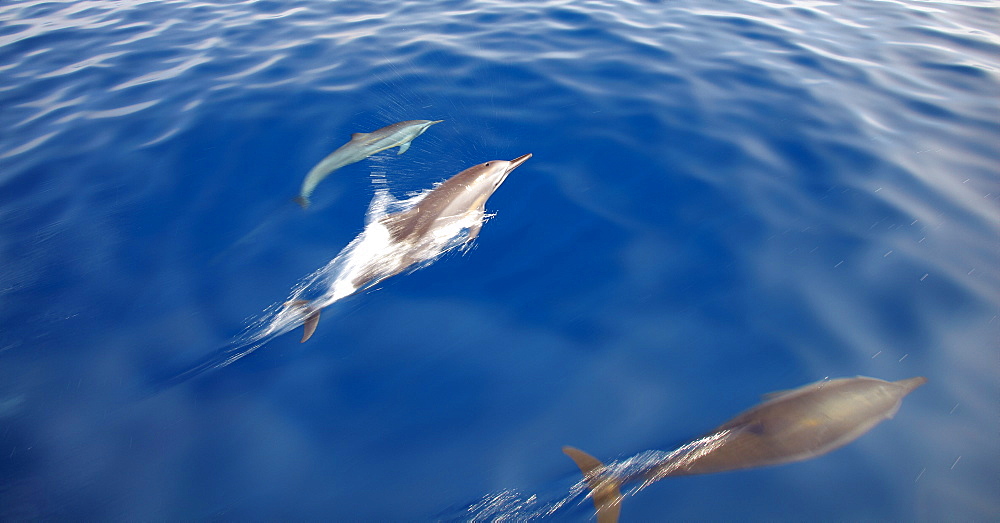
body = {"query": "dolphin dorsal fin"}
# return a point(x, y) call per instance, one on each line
point(356, 136)
point(397, 223)
point(789, 392)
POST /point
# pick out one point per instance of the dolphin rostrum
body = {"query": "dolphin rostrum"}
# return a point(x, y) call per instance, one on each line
point(361, 146)
point(447, 216)
point(790, 426)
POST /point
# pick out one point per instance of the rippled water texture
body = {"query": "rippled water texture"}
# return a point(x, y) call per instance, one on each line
point(726, 198)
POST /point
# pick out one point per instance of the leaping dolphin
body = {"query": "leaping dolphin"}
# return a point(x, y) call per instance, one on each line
point(361, 146)
point(791, 426)
point(449, 215)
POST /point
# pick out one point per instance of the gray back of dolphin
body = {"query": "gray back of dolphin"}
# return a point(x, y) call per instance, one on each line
point(464, 192)
point(799, 424)
point(361, 146)
point(791, 426)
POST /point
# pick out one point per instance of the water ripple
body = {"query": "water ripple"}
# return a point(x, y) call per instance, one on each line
point(716, 184)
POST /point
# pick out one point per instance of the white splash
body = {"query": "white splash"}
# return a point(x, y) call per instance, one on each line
point(368, 259)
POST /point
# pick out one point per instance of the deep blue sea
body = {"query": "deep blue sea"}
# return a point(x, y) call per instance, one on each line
point(725, 198)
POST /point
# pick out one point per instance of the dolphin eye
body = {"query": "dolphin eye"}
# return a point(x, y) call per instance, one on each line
point(487, 164)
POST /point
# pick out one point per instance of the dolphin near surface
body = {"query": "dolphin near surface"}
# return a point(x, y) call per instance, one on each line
point(361, 146)
point(790, 426)
point(449, 215)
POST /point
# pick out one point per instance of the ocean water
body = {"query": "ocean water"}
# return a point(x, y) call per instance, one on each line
point(725, 198)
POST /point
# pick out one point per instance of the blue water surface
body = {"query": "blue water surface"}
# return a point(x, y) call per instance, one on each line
point(726, 198)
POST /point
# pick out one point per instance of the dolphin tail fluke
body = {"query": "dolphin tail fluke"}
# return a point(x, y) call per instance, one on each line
point(605, 490)
point(311, 315)
point(302, 201)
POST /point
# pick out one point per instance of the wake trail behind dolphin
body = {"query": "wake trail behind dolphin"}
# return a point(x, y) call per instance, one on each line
point(555, 499)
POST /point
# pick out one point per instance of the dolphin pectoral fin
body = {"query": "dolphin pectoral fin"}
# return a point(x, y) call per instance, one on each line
point(311, 317)
point(605, 490)
point(302, 201)
point(474, 231)
point(403, 148)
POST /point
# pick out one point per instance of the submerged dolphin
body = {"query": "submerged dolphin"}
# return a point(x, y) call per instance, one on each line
point(361, 146)
point(401, 240)
point(791, 426)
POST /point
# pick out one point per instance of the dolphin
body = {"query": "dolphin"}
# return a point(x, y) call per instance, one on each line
point(361, 146)
point(790, 426)
point(404, 239)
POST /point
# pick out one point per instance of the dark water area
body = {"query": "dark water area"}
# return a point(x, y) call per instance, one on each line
point(725, 199)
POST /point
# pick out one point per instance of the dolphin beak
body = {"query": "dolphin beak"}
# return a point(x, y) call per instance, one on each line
point(912, 383)
point(516, 162)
